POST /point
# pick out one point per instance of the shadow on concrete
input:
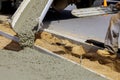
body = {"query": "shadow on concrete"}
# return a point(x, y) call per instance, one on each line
point(53, 15)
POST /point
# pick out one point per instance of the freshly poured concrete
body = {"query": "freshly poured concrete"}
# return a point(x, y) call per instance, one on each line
point(26, 18)
point(94, 27)
point(29, 64)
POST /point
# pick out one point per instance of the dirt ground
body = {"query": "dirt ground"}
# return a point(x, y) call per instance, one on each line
point(107, 66)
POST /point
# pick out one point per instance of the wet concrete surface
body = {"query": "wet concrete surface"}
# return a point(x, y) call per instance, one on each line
point(29, 64)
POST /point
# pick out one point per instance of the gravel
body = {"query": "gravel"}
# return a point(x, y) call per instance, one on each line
point(29, 64)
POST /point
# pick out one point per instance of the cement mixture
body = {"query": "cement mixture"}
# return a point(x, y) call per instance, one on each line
point(29, 64)
point(28, 19)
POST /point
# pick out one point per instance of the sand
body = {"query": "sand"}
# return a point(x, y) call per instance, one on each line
point(106, 66)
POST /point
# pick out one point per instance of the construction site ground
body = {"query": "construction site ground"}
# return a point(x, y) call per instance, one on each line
point(12, 57)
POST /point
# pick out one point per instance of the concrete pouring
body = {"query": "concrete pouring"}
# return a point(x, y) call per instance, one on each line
point(27, 17)
point(62, 47)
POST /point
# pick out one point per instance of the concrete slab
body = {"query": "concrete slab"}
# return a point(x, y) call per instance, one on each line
point(80, 28)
